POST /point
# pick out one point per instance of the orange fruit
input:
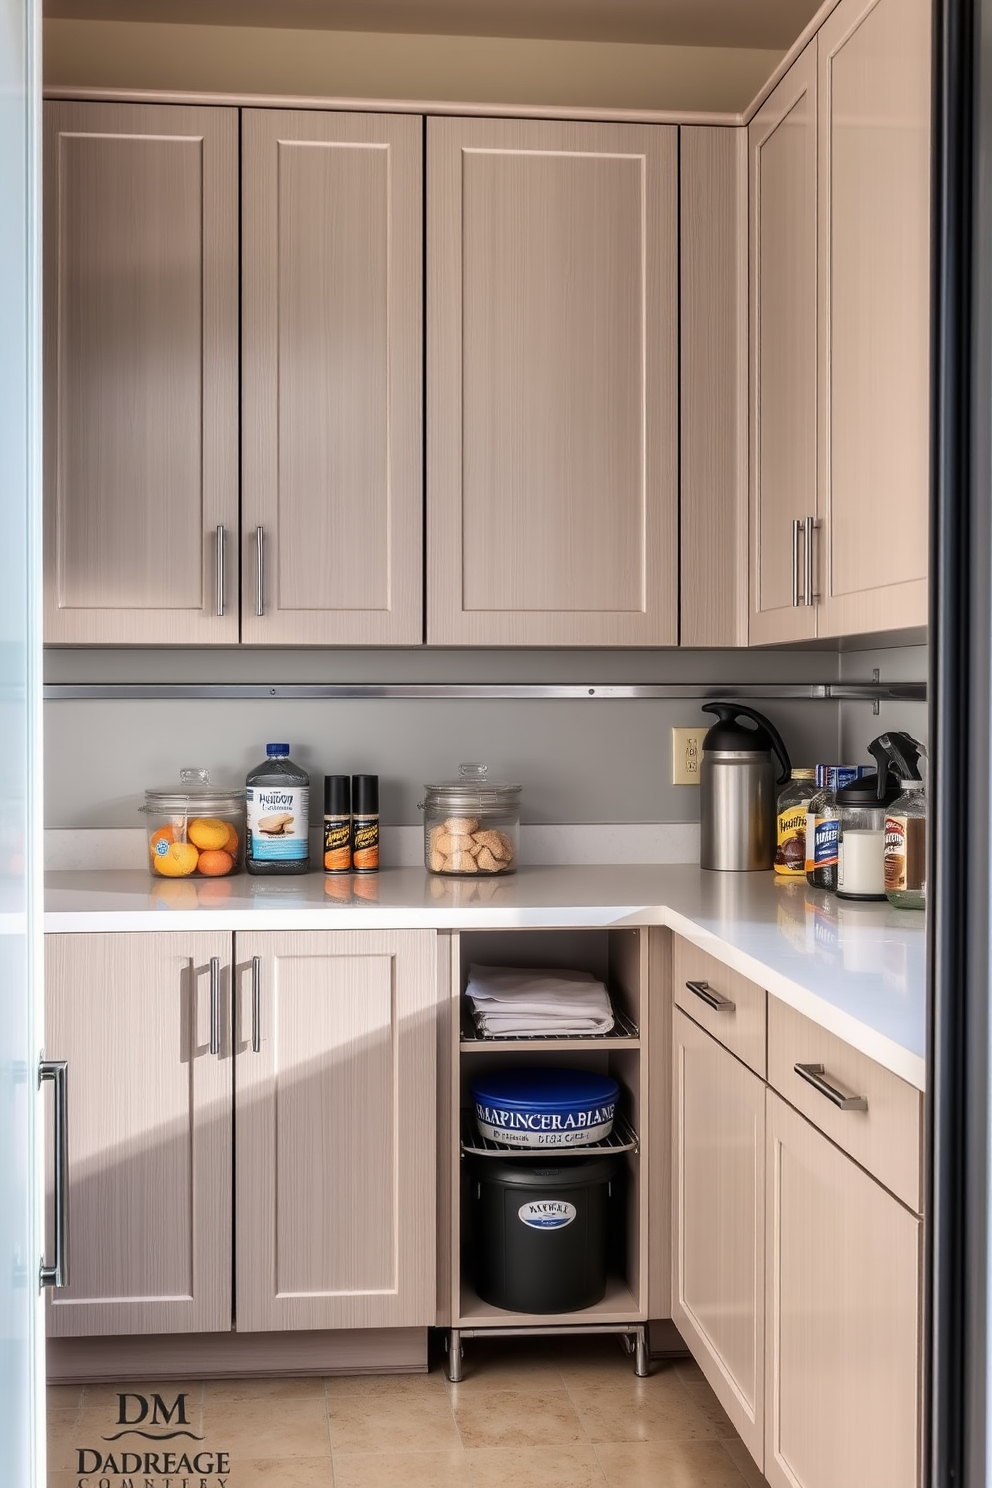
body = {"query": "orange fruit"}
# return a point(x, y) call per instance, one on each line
point(233, 843)
point(214, 863)
point(179, 861)
point(160, 841)
point(207, 833)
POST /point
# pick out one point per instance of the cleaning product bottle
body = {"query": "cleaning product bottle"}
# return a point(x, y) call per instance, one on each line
point(277, 801)
point(906, 835)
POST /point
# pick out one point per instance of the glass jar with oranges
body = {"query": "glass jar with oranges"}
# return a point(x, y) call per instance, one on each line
point(197, 831)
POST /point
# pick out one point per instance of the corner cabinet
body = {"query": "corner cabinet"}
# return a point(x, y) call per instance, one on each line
point(141, 373)
point(718, 1170)
point(782, 205)
point(552, 383)
point(840, 331)
point(263, 1111)
point(797, 1233)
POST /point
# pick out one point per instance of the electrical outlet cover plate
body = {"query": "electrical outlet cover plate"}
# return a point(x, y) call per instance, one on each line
point(687, 754)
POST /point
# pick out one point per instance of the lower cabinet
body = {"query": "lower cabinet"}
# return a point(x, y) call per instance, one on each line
point(842, 1321)
point(150, 1131)
point(311, 1056)
point(718, 1127)
point(335, 1095)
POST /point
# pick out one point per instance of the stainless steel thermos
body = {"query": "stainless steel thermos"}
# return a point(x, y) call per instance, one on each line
point(738, 788)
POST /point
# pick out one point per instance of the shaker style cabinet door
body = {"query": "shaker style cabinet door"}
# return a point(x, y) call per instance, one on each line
point(141, 374)
point(782, 189)
point(874, 321)
point(718, 1198)
point(149, 1193)
point(843, 1306)
point(332, 374)
point(335, 1095)
point(552, 383)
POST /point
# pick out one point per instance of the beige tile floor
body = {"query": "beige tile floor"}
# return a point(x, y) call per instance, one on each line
point(529, 1412)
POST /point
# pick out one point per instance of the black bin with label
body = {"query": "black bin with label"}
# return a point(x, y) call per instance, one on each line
point(540, 1231)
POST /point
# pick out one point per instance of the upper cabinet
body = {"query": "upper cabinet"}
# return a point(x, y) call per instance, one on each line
point(873, 315)
point(141, 373)
point(552, 397)
point(782, 191)
point(332, 366)
point(142, 402)
point(840, 330)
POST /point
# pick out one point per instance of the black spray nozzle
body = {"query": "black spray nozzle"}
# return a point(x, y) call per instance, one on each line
point(895, 754)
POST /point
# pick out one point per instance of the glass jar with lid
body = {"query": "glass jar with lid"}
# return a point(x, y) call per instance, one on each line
point(861, 808)
point(471, 825)
point(196, 830)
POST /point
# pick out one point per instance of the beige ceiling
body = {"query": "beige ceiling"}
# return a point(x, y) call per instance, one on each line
point(718, 23)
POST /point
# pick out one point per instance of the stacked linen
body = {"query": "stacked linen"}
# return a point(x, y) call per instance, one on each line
point(534, 1002)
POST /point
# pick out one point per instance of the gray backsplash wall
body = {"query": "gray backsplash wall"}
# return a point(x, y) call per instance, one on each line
point(858, 725)
point(578, 761)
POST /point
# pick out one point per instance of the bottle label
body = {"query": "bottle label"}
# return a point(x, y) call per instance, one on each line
point(337, 844)
point(906, 853)
point(826, 840)
point(790, 850)
point(278, 821)
point(365, 844)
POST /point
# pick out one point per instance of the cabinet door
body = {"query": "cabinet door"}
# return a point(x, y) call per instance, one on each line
point(552, 365)
point(141, 374)
point(782, 189)
point(335, 1114)
point(874, 322)
point(332, 377)
point(150, 1197)
point(719, 1220)
point(843, 1290)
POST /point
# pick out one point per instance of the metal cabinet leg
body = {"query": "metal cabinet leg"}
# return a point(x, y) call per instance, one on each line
point(642, 1360)
point(454, 1346)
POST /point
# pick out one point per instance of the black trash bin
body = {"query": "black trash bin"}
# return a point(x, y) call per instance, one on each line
point(539, 1232)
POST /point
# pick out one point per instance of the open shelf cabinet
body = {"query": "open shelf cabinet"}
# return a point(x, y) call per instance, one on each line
point(622, 958)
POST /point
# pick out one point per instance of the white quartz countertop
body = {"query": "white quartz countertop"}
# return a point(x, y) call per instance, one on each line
point(856, 969)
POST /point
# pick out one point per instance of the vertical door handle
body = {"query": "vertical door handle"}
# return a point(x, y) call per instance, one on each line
point(256, 1004)
point(810, 526)
point(220, 570)
point(796, 525)
point(215, 1004)
point(259, 571)
point(55, 1071)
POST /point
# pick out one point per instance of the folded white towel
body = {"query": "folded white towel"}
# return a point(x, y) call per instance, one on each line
point(531, 1000)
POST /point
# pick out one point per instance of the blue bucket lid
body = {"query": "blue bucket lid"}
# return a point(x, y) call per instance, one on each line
point(537, 1089)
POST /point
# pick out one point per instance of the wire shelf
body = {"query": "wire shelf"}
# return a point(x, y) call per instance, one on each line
point(624, 1030)
point(622, 1138)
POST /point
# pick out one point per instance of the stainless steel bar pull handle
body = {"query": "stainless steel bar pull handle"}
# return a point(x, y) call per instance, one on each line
point(814, 1074)
point(712, 999)
point(220, 570)
point(55, 1071)
point(256, 1004)
point(808, 595)
point(214, 1004)
point(796, 527)
point(259, 571)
